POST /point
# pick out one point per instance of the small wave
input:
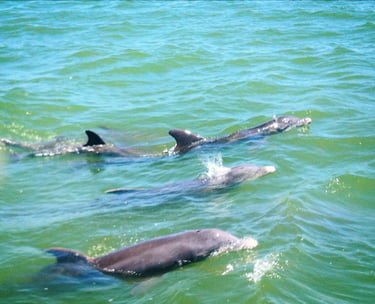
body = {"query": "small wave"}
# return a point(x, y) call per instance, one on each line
point(263, 266)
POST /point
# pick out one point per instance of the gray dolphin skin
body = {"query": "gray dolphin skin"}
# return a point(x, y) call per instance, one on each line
point(94, 145)
point(186, 140)
point(222, 177)
point(159, 255)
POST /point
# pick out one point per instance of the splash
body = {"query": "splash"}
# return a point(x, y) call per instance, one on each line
point(214, 165)
point(229, 268)
point(263, 266)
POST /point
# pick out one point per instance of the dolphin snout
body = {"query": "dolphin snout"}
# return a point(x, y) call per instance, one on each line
point(269, 169)
point(249, 243)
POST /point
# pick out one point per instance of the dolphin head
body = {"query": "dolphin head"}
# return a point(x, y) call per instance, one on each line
point(285, 123)
point(238, 174)
point(241, 173)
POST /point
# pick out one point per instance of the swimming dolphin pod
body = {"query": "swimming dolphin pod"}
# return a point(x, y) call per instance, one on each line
point(186, 140)
point(218, 178)
point(166, 253)
point(159, 255)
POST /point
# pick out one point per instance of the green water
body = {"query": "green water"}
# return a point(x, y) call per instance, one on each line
point(133, 70)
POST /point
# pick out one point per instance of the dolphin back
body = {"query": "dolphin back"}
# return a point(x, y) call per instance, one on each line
point(165, 253)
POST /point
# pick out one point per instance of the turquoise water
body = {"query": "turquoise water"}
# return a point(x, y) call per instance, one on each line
point(133, 70)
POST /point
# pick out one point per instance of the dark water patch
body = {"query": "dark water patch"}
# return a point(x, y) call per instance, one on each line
point(366, 26)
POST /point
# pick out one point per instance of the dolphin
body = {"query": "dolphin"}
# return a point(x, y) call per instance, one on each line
point(158, 255)
point(186, 140)
point(94, 145)
point(218, 178)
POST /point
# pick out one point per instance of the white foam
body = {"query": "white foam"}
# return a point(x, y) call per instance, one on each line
point(263, 266)
point(228, 269)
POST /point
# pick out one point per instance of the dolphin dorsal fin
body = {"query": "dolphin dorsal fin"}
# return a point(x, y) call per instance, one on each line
point(93, 139)
point(64, 255)
point(184, 139)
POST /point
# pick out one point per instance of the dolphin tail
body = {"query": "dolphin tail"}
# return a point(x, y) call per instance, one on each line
point(64, 255)
point(93, 139)
point(184, 139)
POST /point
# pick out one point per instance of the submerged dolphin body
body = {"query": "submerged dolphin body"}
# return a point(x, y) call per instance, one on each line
point(159, 255)
point(186, 140)
point(94, 145)
point(221, 177)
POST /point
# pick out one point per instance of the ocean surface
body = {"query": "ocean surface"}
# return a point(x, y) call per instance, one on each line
point(131, 71)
